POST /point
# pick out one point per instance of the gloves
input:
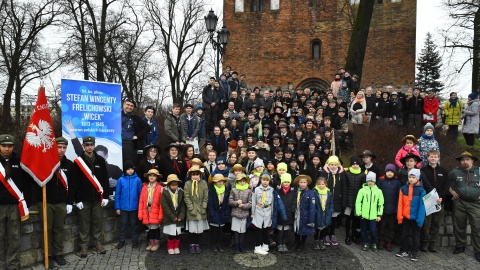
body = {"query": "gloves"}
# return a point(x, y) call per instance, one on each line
point(311, 225)
point(79, 205)
point(104, 202)
point(69, 208)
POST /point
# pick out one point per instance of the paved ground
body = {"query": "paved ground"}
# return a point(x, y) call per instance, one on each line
point(341, 257)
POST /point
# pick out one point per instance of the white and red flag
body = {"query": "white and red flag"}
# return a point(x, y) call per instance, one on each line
point(39, 154)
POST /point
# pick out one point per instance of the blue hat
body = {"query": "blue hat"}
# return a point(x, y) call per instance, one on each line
point(199, 107)
point(473, 95)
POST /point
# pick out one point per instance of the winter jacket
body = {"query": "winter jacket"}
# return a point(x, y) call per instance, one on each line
point(201, 126)
point(426, 145)
point(22, 180)
point(246, 197)
point(323, 218)
point(403, 177)
point(470, 122)
point(144, 166)
point(289, 202)
point(56, 192)
point(262, 213)
point(173, 129)
point(127, 192)
point(197, 202)
point(167, 167)
point(458, 180)
point(307, 209)
point(430, 106)
point(338, 187)
point(452, 114)
point(152, 136)
point(194, 128)
point(373, 168)
point(222, 172)
point(210, 94)
point(354, 184)
point(169, 211)
point(218, 212)
point(314, 173)
point(415, 108)
point(218, 143)
point(155, 215)
point(438, 178)
point(279, 211)
point(369, 203)
point(384, 109)
point(390, 189)
point(410, 203)
point(403, 151)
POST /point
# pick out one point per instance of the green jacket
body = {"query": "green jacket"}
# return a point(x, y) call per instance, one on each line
point(458, 181)
point(369, 202)
point(196, 203)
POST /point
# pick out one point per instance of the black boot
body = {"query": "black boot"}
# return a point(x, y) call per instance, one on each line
point(348, 241)
point(296, 244)
point(237, 248)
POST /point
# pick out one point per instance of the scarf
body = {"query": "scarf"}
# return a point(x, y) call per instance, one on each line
point(359, 100)
point(241, 187)
point(453, 102)
point(256, 173)
point(355, 171)
point(285, 189)
point(432, 137)
point(323, 196)
point(220, 191)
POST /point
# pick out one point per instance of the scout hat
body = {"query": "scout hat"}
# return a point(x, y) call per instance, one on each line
point(301, 176)
point(367, 153)
point(466, 154)
point(172, 178)
point(410, 137)
point(147, 148)
point(153, 171)
point(242, 176)
point(195, 161)
point(237, 167)
point(219, 177)
point(7, 139)
point(178, 147)
point(61, 140)
point(410, 155)
point(88, 140)
point(194, 169)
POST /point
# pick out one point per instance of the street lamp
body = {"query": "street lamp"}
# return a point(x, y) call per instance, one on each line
point(220, 42)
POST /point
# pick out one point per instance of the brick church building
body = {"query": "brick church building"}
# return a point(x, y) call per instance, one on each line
point(302, 43)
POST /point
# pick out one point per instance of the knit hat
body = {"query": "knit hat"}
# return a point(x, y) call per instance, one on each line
point(128, 165)
point(258, 163)
point(282, 166)
point(371, 176)
point(415, 172)
point(333, 159)
point(199, 107)
point(354, 161)
point(428, 126)
point(286, 178)
point(390, 167)
point(473, 96)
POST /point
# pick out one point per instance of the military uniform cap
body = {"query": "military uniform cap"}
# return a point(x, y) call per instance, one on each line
point(61, 140)
point(7, 139)
point(88, 139)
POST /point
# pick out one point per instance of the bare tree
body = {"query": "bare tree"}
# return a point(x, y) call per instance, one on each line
point(466, 15)
point(20, 26)
point(178, 25)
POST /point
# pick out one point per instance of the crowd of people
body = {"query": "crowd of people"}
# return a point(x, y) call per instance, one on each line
point(270, 161)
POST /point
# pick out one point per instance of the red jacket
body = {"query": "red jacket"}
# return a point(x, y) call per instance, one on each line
point(430, 106)
point(155, 216)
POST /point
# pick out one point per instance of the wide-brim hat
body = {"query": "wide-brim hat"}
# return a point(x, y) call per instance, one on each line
point(466, 154)
point(272, 115)
point(297, 179)
point(172, 178)
point(242, 176)
point(410, 155)
point(219, 177)
point(194, 169)
point(237, 167)
point(195, 161)
point(148, 147)
point(367, 153)
point(153, 171)
point(410, 137)
point(178, 147)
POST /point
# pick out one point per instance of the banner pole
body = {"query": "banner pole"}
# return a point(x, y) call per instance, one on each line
point(45, 232)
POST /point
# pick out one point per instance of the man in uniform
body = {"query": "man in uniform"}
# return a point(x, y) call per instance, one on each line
point(59, 204)
point(13, 207)
point(465, 189)
point(134, 130)
point(91, 194)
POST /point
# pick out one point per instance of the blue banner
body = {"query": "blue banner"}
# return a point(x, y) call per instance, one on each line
point(94, 109)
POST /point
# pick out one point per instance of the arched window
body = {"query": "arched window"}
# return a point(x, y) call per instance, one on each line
point(256, 5)
point(316, 49)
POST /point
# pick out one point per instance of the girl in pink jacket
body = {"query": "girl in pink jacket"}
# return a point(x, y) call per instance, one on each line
point(409, 142)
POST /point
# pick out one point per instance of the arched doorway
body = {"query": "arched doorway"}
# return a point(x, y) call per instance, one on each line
point(314, 83)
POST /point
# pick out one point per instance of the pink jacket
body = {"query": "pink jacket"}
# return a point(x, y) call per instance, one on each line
point(403, 152)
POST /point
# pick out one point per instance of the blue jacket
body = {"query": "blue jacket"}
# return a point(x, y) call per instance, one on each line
point(323, 219)
point(307, 212)
point(278, 210)
point(218, 213)
point(390, 189)
point(201, 126)
point(224, 172)
point(152, 136)
point(127, 192)
point(410, 203)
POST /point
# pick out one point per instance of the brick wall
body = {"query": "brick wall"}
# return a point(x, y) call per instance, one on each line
point(273, 47)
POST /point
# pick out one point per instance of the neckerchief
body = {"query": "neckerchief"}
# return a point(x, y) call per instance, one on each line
point(355, 171)
point(220, 191)
point(241, 187)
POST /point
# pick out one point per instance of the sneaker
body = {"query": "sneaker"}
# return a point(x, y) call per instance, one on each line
point(120, 244)
point(380, 245)
point(414, 258)
point(197, 249)
point(388, 247)
point(334, 241)
point(285, 249)
point(322, 245)
point(259, 250)
point(316, 244)
point(402, 254)
point(265, 247)
point(326, 242)
point(170, 252)
point(365, 247)
point(348, 241)
point(374, 248)
point(60, 259)
point(192, 249)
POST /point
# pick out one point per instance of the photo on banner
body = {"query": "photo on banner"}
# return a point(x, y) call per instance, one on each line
point(94, 109)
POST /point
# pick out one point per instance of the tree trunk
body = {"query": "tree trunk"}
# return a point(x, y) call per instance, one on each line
point(476, 52)
point(6, 115)
point(18, 92)
point(359, 38)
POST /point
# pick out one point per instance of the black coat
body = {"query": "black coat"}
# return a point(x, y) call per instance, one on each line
point(438, 178)
point(167, 168)
point(84, 190)
point(209, 96)
point(144, 166)
point(314, 173)
point(56, 192)
point(219, 147)
point(21, 179)
point(354, 184)
point(290, 202)
point(339, 189)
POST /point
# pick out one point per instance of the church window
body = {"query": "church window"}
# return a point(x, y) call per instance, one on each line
point(239, 5)
point(316, 49)
point(274, 4)
point(256, 5)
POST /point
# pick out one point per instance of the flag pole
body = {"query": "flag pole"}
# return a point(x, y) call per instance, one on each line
point(45, 232)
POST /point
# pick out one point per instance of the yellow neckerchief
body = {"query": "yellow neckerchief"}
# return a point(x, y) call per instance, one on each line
point(241, 187)
point(264, 194)
point(323, 196)
point(194, 187)
point(220, 191)
point(174, 198)
point(298, 196)
point(151, 188)
point(256, 173)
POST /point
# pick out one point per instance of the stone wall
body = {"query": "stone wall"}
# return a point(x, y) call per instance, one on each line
point(446, 232)
point(31, 250)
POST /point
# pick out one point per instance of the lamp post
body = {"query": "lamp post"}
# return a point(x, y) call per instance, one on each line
point(220, 42)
